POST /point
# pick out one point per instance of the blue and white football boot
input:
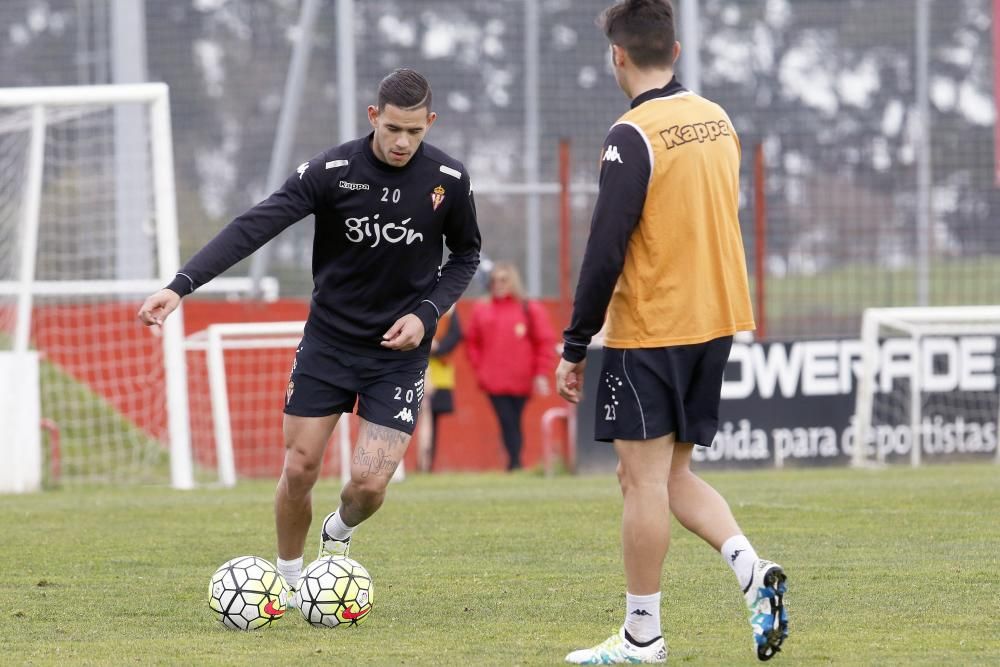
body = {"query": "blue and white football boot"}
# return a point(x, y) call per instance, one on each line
point(765, 597)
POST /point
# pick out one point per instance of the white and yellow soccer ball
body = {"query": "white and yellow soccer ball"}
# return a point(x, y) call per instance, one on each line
point(247, 593)
point(335, 592)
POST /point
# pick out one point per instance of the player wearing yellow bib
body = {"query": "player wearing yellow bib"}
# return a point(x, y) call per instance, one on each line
point(664, 267)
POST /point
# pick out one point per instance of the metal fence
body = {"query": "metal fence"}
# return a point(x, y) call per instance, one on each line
point(875, 118)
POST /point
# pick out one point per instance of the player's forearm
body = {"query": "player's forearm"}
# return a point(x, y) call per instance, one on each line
point(464, 241)
point(593, 294)
point(603, 261)
point(237, 241)
point(456, 275)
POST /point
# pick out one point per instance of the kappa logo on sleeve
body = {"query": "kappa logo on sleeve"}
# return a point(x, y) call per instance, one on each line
point(611, 155)
point(302, 169)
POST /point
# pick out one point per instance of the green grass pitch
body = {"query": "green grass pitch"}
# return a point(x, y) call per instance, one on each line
point(896, 566)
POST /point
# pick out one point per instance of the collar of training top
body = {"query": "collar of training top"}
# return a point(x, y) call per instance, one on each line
point(671, 88)
point(385, 166)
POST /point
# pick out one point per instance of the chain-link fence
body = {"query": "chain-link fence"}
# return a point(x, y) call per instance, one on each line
point(832, 90)
point(866, 204)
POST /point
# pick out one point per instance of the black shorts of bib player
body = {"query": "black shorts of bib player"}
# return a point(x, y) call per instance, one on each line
point(646, 393)
point(664, 275)
point(385, 208)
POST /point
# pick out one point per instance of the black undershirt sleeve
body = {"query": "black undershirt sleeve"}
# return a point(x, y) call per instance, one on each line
point(624, 181)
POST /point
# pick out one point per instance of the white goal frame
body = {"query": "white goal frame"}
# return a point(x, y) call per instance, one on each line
point(915, 323)
point(214, 341)
point(155, 97)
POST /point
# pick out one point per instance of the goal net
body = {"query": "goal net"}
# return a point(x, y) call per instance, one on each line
point(928, 385)
point(239, 375)
point(88, 225)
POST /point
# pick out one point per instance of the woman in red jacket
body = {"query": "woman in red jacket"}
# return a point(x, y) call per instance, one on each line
point(510, 344)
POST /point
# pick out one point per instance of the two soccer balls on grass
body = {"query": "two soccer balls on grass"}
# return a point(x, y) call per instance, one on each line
point(248, 593)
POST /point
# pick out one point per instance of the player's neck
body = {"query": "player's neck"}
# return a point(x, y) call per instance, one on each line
point(643, 81)
point(377, 151)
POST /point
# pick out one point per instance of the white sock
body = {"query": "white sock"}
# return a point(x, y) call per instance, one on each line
point(642, 617)
point(739, 555)
point(336, 528)
point(291, 570)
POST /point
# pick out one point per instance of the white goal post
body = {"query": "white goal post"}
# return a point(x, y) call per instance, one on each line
point(266, 349)
point(928, 383)
point(88, 228)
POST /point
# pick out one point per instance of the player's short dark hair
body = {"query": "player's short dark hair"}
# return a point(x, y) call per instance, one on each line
point(404, 88)
point(644, 28)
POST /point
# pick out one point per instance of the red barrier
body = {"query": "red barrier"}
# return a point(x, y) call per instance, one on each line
point(82, 342)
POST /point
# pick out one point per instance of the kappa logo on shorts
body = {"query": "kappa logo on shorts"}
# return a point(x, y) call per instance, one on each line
point(405, 415)
point(288, 392)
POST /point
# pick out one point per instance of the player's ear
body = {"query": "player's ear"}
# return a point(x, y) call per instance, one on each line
point(431, 117)
point(373, 115)
point(617, 56)
point(677, 53)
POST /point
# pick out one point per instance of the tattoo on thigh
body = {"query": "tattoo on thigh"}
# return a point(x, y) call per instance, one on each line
point(390, 436)
point(376, 461)
point(377, 449)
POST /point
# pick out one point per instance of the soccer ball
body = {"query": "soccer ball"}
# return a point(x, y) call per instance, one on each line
point(335, 591)
point(247, 593)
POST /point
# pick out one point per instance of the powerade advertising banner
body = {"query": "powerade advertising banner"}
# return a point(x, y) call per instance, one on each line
point(792, 404)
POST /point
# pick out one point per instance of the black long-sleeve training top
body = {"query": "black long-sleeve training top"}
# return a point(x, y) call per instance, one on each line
point(378, 245)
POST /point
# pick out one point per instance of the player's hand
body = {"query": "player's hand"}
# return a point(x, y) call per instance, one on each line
point(406, 334)
point(569, 379)
point(156, 307)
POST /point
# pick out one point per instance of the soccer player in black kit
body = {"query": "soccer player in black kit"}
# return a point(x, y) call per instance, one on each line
point(384, 206)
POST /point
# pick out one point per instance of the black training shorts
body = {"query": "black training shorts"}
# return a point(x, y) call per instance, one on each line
point(645, 393)
point(325, 381)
